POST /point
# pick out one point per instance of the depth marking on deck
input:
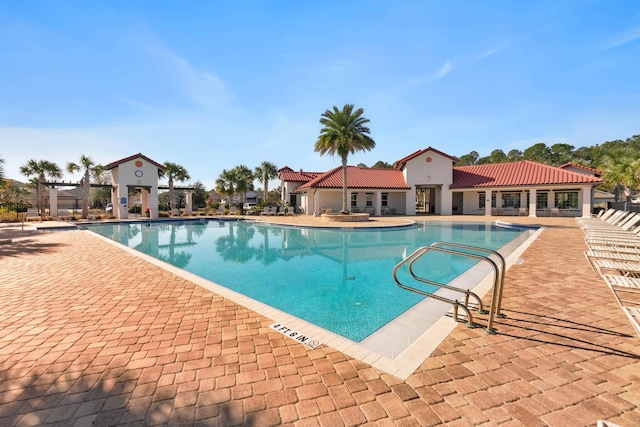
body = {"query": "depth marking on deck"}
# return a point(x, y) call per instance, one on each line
point(288, 332)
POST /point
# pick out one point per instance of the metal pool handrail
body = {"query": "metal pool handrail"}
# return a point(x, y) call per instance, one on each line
point(497, 285)
point(456, 304)
point(503, 266)
point(467, 293)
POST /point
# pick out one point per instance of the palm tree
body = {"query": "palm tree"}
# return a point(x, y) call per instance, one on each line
point(266, 172)
point(244, 180)
point(89, 168)
point(40, 170)
point(173, 172)
point(226, 184)
point(343, 133)
point(623, 173)
point(1, 171)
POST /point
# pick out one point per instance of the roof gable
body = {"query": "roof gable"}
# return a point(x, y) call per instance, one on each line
point(399, 164)
point(524, 172)
point(288, 174)
point(117, 163)
point(359, 178)
point(578, 166)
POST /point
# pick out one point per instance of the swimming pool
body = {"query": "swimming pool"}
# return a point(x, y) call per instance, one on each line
point(338, 279)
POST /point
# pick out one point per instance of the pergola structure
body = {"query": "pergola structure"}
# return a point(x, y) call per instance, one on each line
point(134, 173)
point(137, 172)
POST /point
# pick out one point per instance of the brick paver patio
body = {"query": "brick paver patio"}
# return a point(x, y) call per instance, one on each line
point(90, 335)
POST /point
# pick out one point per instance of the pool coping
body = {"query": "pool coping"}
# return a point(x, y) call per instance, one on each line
point(401, 366)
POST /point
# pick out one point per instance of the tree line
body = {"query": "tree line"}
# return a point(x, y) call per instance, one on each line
point(618, 160)
point(230, 182)
point(343, 133)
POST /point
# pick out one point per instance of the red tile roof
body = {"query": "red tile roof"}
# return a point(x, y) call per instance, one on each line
point(359, 178)
point(516, 173)
point(288, 174)
point(399, 164)
point(579, 166)
point(135, 156)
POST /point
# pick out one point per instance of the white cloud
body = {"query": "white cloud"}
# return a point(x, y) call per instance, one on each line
point(202, 87)
point(623, 38)
point(492, 51)
point(446, 68)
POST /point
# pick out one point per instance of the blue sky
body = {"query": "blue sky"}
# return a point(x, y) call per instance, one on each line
point(214, 84)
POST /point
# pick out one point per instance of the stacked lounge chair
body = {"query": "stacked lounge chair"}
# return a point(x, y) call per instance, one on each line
point(613, 239)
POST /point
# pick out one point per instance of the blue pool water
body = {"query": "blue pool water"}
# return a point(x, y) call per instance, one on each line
point(339, 279)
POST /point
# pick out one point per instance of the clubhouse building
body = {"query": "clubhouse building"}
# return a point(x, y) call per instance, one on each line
point(429, 182)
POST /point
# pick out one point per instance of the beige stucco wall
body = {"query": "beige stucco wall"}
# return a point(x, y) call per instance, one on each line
point(430, 169)
point(124, 175)
point(470, 199)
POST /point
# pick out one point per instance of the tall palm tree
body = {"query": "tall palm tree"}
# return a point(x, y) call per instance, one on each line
point(89, 168)
point(244, 180)
point(40, 170)
point(226, 184)
point(266, 172)
point(173, 172)
point(623, 172)
point(1, 171)
point(344, 132)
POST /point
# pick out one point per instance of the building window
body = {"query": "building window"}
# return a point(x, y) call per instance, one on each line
point(482, 200)
point(511, 200)
point(369, 199)
point(354, 200)
point(566, 199)
point(542, 200)
point(385, 199)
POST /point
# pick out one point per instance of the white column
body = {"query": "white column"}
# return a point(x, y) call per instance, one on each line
point(145, 198)
point(487, 202)
point(153, 193)
point(410, 201)
point(377, 202)
point(121, 204)
point(586, 193)
point(188, 208)
point(316, 204)
point(444, 199)
point(53, 202)
point(532, 202)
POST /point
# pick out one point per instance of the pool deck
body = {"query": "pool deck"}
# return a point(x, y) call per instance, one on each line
point(92, 335)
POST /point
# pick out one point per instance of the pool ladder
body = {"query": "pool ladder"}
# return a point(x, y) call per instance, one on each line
point(498, 264)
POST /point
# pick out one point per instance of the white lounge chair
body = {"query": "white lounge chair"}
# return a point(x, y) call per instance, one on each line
point(623, 268)
point(614, 255)
point(33, 214)
point(615, 249)
point(622, 277)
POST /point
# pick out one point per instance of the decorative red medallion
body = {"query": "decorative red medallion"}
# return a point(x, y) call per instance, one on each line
point(138, 163)
point(428, 159)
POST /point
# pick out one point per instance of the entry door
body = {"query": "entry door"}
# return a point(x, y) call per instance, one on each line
point(457, 203)
point(293, 203)
point(425, 200)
